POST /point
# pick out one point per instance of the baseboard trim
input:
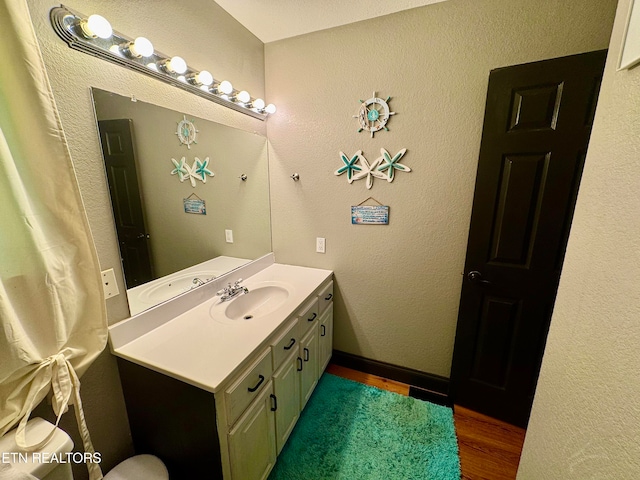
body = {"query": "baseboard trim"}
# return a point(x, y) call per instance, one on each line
point(425, 386)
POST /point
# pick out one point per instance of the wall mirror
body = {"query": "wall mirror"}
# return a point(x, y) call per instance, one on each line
point(175, 235)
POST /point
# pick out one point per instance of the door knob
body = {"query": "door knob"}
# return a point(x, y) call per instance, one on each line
point(476, 277)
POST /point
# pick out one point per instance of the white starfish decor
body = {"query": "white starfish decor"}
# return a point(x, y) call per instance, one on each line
point(198, 171)
point(358, 167)
point(369, 171)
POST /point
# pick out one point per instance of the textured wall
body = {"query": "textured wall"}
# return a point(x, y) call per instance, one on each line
point(398, 286)
point(585, 422)
point(207, 37)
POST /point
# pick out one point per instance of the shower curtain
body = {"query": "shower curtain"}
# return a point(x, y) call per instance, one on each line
point(52, 308)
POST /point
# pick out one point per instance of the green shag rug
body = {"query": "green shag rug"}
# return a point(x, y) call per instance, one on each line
point(352, 431)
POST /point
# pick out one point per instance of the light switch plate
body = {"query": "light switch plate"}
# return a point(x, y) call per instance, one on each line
point(109, 283)
point(320, 244)
point(228, 235)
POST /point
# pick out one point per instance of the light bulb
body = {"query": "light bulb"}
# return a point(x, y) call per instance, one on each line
point(141, 47)
point(258, 103)
point(243, 96)
point(225, 87)
point(96, 26)
point(175, 65)
point(203, 78)
point(271, 108)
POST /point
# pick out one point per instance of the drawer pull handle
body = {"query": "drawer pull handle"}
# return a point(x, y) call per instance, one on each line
point(324, 330)
point(306, 354)
point(300, 367)
point(275, 402)
point(257, 385)
point(290, 346)
point(313, 318)
point(329, 297)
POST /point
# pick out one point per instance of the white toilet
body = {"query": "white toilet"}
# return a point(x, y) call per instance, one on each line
point(139, 467)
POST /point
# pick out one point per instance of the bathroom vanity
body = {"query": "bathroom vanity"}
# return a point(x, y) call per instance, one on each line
point(215, 388)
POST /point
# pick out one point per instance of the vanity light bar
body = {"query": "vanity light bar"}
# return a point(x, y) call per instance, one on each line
point(93, 35)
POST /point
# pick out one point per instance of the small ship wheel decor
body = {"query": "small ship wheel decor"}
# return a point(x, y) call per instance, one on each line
point(186, 132)
point(374, 114)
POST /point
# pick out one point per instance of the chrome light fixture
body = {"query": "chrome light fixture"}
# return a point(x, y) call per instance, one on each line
point(94, 36)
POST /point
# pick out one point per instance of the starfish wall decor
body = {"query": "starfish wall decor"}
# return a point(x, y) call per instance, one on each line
point(384, 167)
point(198, 171)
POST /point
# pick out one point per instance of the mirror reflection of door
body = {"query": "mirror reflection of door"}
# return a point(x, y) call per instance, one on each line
point(116, 137)
point(536, 130)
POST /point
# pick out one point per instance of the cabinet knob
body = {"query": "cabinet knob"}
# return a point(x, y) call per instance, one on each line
point(300, 364)
point(313, 317)
point(329, 297)
point(306, 354)
point(275, 402)
point(324, 330)
point(291, 344)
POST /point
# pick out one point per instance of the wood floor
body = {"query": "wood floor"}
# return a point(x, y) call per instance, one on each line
point(489, 449)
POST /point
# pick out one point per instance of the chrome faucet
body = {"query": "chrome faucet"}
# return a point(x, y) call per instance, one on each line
point(197, 282)
point(231, 291)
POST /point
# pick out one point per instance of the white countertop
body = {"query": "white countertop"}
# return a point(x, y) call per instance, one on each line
point(204, 352)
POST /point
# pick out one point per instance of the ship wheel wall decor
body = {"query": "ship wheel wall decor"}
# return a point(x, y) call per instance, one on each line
point(186, 132)
point(374, 114)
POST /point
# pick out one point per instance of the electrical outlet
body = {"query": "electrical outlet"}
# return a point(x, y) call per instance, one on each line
point(320, 244)
point(109, 283)
point(228, 235)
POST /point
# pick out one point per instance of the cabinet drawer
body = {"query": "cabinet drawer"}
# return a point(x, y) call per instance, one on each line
point(308, 316)
point(285, 344)
point(248, 386)
point(325, 297)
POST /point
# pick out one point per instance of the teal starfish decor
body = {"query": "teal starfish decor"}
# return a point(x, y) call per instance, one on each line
point(180, 169)
point(391, 164)
point(349, 165)
point(198, 171)
point(201, 171)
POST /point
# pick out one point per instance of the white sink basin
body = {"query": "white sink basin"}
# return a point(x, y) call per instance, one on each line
point(159, 292)
point(261, 300)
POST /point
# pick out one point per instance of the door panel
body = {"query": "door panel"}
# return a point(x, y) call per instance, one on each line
point(518, 207)
point(536, 131)
point(119, 156)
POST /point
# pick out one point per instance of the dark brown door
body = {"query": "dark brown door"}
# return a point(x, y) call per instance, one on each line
point(116, 137)
point(537, 124)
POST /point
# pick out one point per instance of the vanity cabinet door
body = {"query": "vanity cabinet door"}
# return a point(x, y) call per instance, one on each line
point(309, 355)
point(325, 297)
point(248, 386)
point(286, 343)
point(325, 339)
point(286, 386)
point(252, 442)
point(308, 316)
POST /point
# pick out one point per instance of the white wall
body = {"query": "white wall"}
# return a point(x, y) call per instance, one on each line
point(207, 37)
point(398, 286)
point(585, 422)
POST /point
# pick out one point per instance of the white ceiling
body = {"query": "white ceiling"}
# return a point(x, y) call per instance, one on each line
point(272, 20)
